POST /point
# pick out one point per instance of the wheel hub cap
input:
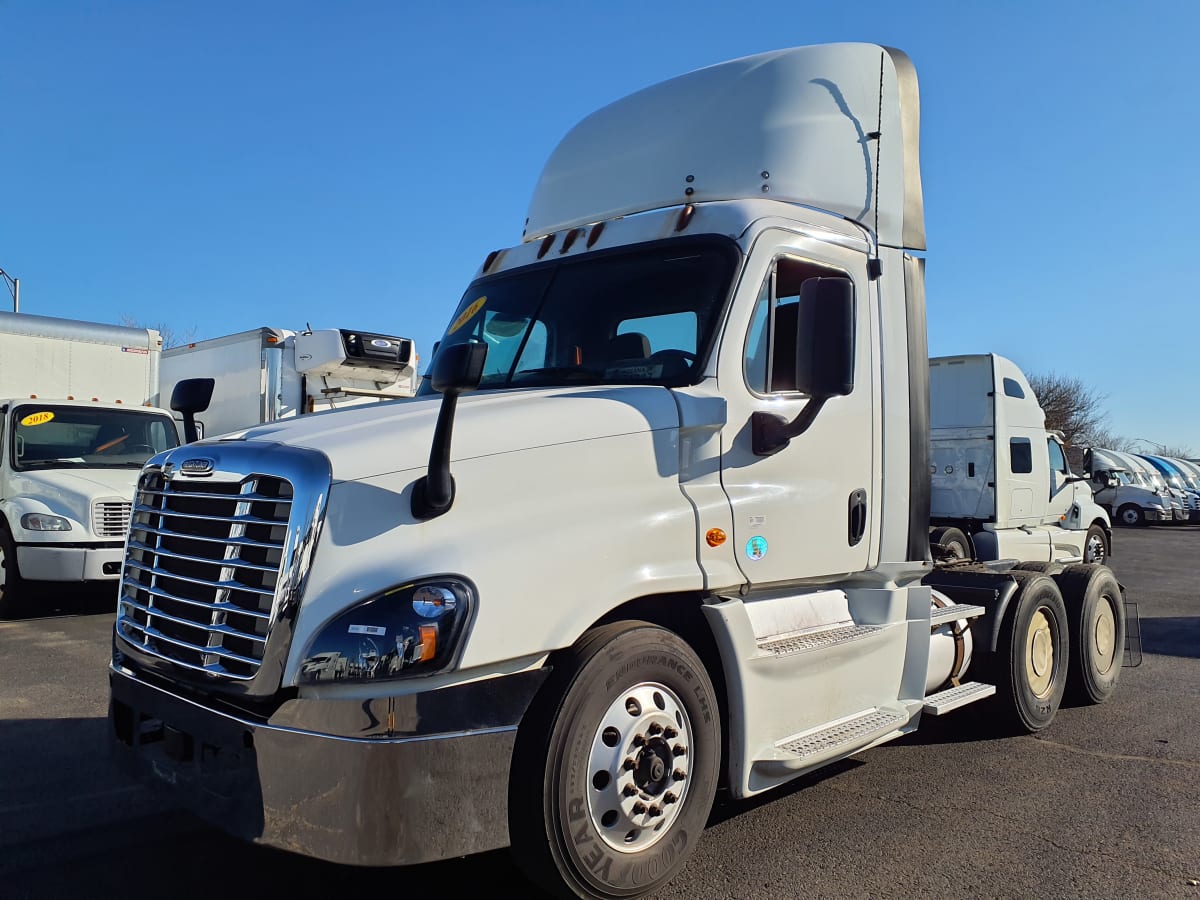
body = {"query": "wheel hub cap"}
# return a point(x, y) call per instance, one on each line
point(1039, 654)
point(1104, 636)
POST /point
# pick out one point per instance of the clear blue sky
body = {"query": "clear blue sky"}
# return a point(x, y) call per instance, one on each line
point(219, 166)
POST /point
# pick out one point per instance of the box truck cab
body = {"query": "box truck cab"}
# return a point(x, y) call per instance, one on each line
point(658, 520)
point(268, 374)
point(1001, 484)
point(1124, 490)
point(1178, 483)
point(76, 426)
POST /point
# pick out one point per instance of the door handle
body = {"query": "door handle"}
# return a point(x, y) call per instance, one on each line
point(857, 517)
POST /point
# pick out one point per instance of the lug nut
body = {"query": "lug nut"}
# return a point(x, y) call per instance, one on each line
point(679, 774)
point(629, 764)
point(629, 791)
point(679, 750)
point(668, 797)
point(639, 808)
point(654, 811)
point(669, 732)
point(655, 728)
point(638, 740)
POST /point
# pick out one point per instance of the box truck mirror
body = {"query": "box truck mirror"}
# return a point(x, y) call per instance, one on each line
point(456, 370)
point(191, 396)
point(824, 359)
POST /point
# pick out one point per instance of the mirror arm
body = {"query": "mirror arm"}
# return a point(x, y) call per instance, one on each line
point(433, 494)
point(771, 433)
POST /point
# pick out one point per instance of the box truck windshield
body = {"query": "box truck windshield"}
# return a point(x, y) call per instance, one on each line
point(51, 436)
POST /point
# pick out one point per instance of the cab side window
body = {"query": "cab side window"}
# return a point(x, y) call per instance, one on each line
point(771, 343)
point(1058, 462)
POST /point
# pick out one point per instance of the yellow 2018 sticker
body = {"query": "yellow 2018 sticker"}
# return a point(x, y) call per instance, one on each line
point(467, 315)
point(38, 418)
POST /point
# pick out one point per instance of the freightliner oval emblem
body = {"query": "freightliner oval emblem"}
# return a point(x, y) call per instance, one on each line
point(198, 466)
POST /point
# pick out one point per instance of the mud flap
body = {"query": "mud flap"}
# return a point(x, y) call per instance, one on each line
point(1133, 632)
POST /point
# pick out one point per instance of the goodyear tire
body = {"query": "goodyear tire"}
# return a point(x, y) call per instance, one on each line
point(12, 586)
point(1031, 659)
point(616, 765)
point(1096, 614)
point(953, 540)
point(1045, 568)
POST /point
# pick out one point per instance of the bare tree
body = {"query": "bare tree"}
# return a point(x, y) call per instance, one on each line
point(170, 336)
point(1077, 410)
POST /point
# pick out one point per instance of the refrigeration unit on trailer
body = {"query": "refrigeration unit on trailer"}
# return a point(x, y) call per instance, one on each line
point(1002, 486)
point(78, 418)
point(267, 374)
point(657, 518)
point(1123, 489)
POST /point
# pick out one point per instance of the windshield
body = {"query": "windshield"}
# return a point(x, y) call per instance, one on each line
point(46, 436)
point(642, 315)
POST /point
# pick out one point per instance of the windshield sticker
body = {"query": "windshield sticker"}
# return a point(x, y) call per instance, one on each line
point(756, 547)
point(467, 315)
point(37, 418)
point(647, 371)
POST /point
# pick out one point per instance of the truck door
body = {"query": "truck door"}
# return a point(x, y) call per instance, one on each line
point(810, 509)
point(1062, 491)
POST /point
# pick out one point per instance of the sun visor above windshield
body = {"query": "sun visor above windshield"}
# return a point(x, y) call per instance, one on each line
point(795, 125)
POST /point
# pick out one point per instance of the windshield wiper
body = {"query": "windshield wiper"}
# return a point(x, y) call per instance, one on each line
point(557, 374)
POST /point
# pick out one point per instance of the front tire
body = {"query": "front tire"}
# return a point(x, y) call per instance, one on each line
point(12, 585)
point(1096, 612)
point(616, 765)
point(1131, 514)
point(1095, 545)
point(1030, 663)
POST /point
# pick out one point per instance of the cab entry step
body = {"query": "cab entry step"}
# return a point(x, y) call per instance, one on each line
point(952, 698)
point(956, 612)
point(858, 730)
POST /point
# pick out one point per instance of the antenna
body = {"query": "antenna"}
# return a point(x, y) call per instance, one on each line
point(875, 264)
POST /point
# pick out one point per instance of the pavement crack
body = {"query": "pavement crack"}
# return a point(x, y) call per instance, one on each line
point(1122, 757)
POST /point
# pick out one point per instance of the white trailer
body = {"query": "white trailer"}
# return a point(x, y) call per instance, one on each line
point(78, 418)
point(268, 374)
point(1002, 486)
point(658, 518)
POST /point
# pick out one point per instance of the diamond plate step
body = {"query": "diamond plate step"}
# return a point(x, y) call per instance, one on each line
point(952, 698)
point(817, 640)
point(858, 730)
point(956, 612)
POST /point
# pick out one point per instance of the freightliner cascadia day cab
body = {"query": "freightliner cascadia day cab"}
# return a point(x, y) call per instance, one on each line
point(78, 419)
point(267, 374)
point(1124, 491)
point(1002, 486)
point(658, 519)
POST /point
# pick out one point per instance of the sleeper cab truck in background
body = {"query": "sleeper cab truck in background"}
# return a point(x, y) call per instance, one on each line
point(78, 419)
point(1179, 482)
point(267, 374)
point(639, 532)
point(1001, 484)
point(1140, 496)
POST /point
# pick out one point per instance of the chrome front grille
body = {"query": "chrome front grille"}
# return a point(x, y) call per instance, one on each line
point(202, 570)
point(110, 518)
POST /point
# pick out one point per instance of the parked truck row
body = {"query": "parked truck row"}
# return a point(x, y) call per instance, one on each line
point(1139, 488)
point(657, 519)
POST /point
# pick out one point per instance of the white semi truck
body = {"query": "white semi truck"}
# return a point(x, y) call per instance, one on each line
point(1002, 486)
point(1123, 488)
point(657, 519)
point(78, 418)
point(268, 374)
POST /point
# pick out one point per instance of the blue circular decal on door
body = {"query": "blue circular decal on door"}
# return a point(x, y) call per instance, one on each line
point(756, 547)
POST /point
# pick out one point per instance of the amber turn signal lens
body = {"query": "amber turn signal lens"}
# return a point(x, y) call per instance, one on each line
point(715, 537)
point(428, 642)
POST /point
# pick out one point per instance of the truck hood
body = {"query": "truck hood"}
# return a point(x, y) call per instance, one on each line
point(394, 436)
point(70, 492)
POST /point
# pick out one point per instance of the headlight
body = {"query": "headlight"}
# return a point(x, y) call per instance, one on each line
point(43, 522)
point(413, 629)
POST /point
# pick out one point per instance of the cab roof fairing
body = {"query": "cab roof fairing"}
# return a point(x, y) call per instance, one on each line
point(794, 125)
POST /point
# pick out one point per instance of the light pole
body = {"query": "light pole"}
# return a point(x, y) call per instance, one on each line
point(1160, 449)
point(14, 288)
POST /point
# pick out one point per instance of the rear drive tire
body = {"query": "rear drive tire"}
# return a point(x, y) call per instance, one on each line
point(1030, 662)
point(953, 540)
point(615, 765)
point(1131, 514)
point(1044, 568)
point(1096, 614)
point(12, 585)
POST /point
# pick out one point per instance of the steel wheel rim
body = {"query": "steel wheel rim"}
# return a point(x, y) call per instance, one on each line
point(1129, 517)
point(638, 767)
point(1039, 654)
point(1095, 547)
point(1104, 636)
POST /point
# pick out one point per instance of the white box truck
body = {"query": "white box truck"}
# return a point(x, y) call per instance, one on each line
point(267, 374)
point(78, 418)
point(1002, 486)
point(657, 518)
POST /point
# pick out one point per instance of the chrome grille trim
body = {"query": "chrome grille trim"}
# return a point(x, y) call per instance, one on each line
point(215, 564)
point(110, 518)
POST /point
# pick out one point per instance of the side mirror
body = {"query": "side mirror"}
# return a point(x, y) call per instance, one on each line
point(824, 360)
point(1113, 481)
point(191, 396)
point(456, 370)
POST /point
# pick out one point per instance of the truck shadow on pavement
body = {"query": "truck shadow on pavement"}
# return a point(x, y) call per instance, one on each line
point(1172, 636)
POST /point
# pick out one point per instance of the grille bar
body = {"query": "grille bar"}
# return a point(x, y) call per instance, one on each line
point(239, 498)
point(234, 563)
point(237, 541)
point(220, 585)
point(202, 604)
point(110, 518)
point(152, 632)
point(233, 520)
point(212, 629)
